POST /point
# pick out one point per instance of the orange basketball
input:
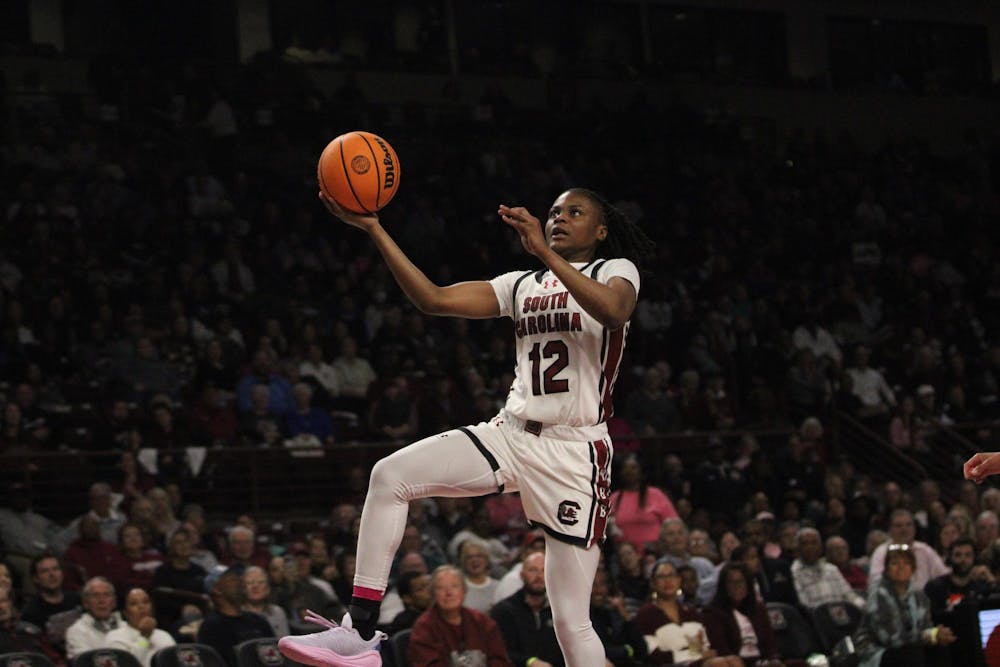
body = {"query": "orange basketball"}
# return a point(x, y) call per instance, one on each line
point(360, 171)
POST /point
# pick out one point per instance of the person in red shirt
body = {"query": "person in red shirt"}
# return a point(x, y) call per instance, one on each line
point(449, 634)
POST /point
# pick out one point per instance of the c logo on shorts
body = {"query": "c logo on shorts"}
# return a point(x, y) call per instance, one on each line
point(569, 512)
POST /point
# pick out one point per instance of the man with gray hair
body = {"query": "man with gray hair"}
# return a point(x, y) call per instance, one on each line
point(987, 529)
point(99, 617)
point(243, 552)
point(817, 581)
point(674, 546)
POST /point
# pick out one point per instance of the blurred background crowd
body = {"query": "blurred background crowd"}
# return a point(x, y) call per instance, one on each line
point(199, 366)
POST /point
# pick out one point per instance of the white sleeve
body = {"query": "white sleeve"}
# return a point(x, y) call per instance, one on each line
point(503, 286)
point(622, 268)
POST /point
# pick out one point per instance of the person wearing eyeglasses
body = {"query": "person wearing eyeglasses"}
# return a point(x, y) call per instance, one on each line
point(737, 622)
point(896, 628)
point(675, 631)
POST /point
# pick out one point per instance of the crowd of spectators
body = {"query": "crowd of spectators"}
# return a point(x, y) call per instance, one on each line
point(169, 282)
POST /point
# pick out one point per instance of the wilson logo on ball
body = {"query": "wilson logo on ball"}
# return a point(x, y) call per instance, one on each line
point(360, 164)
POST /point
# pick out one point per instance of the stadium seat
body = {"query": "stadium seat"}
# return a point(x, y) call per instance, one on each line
point(25, 659)
point(105, 657)
point(399, 642)
point(188, 655)
point(833, 621)
point(796, 638)
point(261, 652)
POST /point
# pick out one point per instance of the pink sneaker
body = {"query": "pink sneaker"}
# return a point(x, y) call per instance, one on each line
point(339, 646)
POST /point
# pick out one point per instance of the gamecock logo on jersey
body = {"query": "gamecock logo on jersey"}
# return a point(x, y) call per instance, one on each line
point(189, 657)
point(360, 164)
point(569, 512)
point(105, 660)
point(268, 655)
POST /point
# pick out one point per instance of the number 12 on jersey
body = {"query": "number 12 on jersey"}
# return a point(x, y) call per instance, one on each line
point(545, 382)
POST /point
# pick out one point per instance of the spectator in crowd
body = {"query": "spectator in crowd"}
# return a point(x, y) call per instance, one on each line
point(92, 555)
point(139, 634)
point(139, 562)
point(638, 508)
point(17, 635)
point(262, 372)
point(22, 530)
point(869, 385)
point(243, 550)
point(838, 553)
point(50, 596)
point(474, 561)
point(109, 520)
point(630, 579)
point(393, 413)
point(303, 559)
point(817, 581)
point(987, 529)
point(771, 577)
point(675, 631)
point(737, 623)
point(392, 603)
point(808, 390)
point(100, 616)
point(897, 625)
point(903, 531)
point(212, 421)
point(293, 593)
point(450, 633)
point(614, 623)
point(314, 368)
point(228, 624)
point(178, 572)
point(675, 550)
point(414, 589)
point(649, 408)
point(525, 619)
point(306, 419)
point(812, 336)
point(478, 527)
point(261, 425)
point(356, 375)
point(258, 592)
point(954, 598)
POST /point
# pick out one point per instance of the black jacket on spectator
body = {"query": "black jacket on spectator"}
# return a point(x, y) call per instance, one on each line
point(526, 633)
point(224, 632)
point(623, 641)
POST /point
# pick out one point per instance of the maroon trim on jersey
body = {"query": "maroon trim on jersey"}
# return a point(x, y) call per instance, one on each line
point(600, 481)
point(615, 346)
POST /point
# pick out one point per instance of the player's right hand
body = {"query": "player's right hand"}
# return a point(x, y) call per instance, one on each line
point(359, 220)
point(981, 466)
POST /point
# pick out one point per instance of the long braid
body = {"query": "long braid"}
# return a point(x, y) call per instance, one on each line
point(625, 238)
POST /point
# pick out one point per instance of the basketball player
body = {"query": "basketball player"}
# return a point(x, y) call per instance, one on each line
point(981, 466)
point(550, 442)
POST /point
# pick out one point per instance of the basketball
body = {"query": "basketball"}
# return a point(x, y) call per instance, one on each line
point(360, 171)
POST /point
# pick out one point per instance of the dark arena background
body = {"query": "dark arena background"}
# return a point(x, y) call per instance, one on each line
point(189, 341)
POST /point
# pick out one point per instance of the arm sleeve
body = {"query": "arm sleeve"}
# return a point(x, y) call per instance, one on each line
point(503, 286)
point(647, 623)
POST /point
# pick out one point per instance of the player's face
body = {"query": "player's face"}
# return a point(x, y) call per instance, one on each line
point(575, 226)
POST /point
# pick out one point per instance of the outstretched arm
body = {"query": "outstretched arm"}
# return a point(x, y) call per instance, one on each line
point(475, 299)
point(981, 466)
point(610, 304)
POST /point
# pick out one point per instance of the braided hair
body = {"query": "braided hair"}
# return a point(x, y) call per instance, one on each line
point(625, 238)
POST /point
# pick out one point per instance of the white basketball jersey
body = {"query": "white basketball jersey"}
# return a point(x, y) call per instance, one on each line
point(567, 361)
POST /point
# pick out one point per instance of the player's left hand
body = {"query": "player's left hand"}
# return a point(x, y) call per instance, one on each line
point(981, 466)
point(528, 227)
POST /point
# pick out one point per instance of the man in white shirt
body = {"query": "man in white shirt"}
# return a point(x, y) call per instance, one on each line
point(817, 581)
point(902, 530)
point(100, 617)
point(869, 385)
